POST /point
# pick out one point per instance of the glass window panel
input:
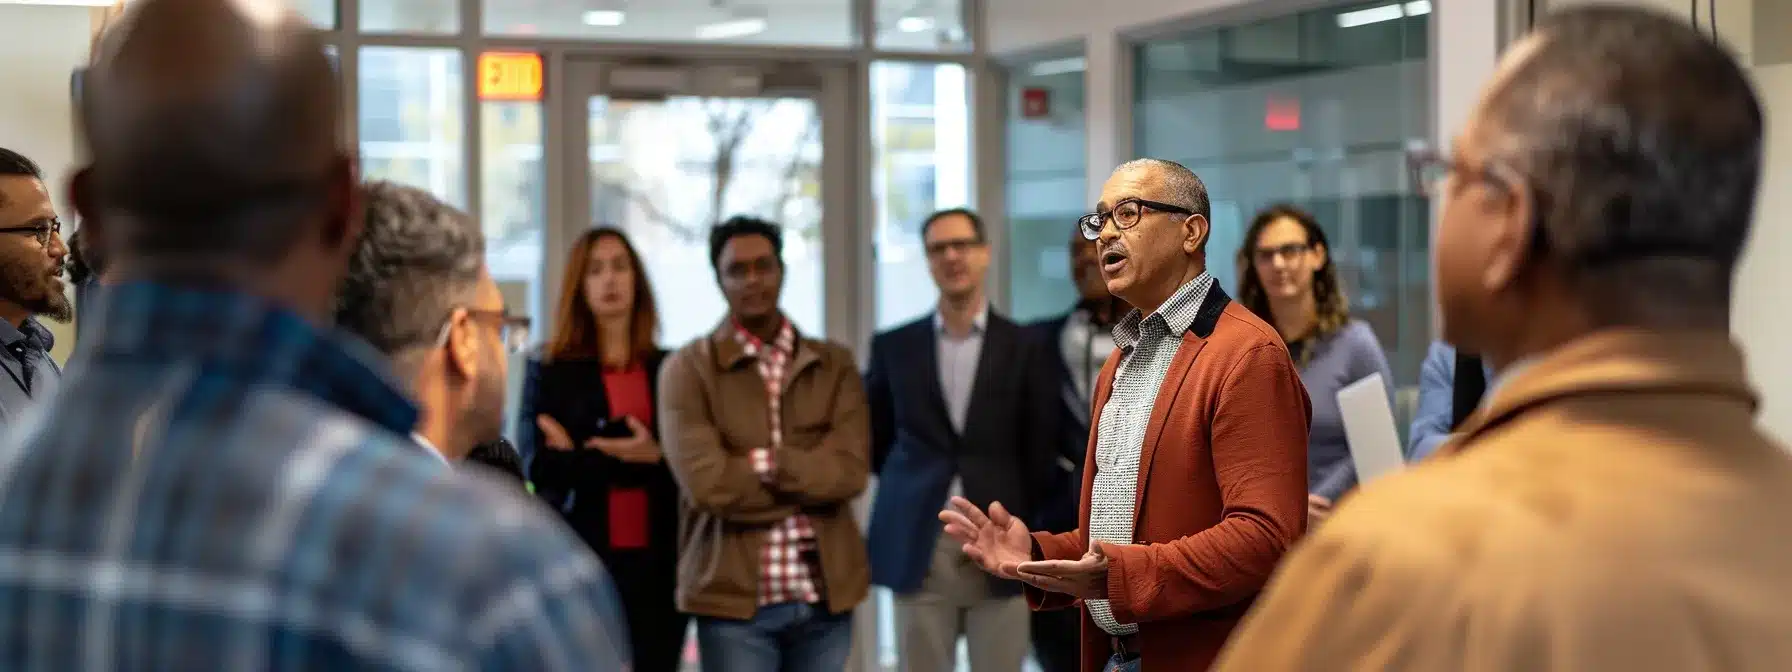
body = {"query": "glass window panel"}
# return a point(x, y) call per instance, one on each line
point(512, 197)
point(411, 121)
point(321, 13)
point(1047, 183)
point(920, 138)
point(416, 17)
point(656, 174)
point(1314, 109)
point(824, 23)
point(922, 25)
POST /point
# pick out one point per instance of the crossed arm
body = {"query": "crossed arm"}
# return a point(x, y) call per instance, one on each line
point(732, 483)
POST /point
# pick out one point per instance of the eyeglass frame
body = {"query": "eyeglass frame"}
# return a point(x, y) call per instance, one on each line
point(42, 233)
point(1492, 174)
point(508, 325)
point(1266, 256)
point(1420, 161)
point(1090, 225)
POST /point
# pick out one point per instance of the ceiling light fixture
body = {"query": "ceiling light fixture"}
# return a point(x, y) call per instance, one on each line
point(60, 3)
point(1363, 17)
point(604, 17)
point(725, 30)
point(1058, 66)
point(914, 24)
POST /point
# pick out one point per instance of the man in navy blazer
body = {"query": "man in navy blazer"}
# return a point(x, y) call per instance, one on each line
point(956, 409)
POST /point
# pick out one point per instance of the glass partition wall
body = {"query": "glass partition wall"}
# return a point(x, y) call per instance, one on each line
point(1047, 170)
point(845, 120)
point(1316, 109)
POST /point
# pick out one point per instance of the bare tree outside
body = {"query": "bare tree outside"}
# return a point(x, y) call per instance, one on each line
point(666, 170)
point(722, 171)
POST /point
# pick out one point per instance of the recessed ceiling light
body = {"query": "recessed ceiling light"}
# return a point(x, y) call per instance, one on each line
point(604, 17)
point(1363, 17)
point(725, 30)
point(914, 24)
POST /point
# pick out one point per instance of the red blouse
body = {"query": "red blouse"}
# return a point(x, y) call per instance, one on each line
point(629, 393)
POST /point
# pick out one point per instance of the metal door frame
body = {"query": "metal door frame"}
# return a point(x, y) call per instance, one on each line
point(577, 77)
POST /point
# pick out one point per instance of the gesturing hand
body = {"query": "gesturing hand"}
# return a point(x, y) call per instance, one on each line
point(998, 542)
point(639, 448)
point(552, 434)
point(1085, 577)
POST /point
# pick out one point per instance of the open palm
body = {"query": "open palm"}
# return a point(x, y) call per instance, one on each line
point(999, 542)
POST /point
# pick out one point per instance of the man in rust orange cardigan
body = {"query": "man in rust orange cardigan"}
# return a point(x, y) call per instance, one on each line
point(1195, 481)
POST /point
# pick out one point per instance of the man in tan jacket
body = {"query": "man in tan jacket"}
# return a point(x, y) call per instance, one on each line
point(766, 433)
point(1612, 505)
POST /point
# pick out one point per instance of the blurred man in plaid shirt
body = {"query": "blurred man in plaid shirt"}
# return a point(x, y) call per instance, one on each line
point(223, 483)
point(767, 433)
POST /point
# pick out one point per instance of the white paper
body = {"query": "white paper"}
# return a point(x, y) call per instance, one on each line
point(1369, 427)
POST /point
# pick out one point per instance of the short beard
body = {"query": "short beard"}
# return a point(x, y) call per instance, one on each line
point(34, 291)
point(55, 306)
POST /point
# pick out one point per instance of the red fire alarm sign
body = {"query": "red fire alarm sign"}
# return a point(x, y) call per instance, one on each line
point(1035, 103)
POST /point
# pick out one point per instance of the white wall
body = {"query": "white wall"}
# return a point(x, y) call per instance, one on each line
point(41, 46)
point(1021, 25)
point(1760, 319)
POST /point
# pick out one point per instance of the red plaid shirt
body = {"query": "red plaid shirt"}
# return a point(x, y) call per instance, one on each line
point(784, 575)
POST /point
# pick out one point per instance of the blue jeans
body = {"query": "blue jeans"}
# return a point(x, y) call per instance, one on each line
point(788, 637)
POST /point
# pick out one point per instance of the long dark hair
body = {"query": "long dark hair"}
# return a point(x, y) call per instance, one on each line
point(1328, 297)
point(575, 327)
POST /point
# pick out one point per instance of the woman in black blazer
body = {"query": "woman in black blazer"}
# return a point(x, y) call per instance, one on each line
point(591, 437)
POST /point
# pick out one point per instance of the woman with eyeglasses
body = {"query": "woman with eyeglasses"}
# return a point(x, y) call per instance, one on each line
point(589, 436)
point(1286, 277)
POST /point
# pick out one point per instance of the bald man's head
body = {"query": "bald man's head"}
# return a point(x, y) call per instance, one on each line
point(214, 127)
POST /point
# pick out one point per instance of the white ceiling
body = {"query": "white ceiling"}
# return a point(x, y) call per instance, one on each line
point(903, 24)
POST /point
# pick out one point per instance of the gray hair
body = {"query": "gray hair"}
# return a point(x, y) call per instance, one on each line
point(1641, 140)
point(1182, 187)
point(417, 259)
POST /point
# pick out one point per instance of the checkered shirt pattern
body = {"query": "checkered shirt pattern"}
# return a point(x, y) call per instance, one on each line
point(222, 486)
point(1147, 346)
point(784, 576)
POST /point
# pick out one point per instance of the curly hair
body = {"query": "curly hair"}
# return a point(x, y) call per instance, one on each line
point(1328, 296)
point(744, 225)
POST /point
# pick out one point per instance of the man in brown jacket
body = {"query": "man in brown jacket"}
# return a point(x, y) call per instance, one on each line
point(767, 435)
point(1612, 504)
point(1195, 480)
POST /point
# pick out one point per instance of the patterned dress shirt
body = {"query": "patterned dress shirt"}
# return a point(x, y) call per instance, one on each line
point(221, 486)
point(1147, 346)
point(784, 572)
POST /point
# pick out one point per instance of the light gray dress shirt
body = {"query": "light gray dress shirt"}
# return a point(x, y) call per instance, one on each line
point(958, 359)
point(1147, 346)
point(1085, 348)
point(30, 375)
point(429, 447)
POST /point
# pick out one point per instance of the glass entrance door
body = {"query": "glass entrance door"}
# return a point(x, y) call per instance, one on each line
point(666, 151)
point(671, 151)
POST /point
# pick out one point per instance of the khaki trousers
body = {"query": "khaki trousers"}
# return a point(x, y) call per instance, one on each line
point(954, 600)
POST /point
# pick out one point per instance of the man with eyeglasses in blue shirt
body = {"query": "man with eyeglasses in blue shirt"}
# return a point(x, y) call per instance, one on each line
point(31, 263)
